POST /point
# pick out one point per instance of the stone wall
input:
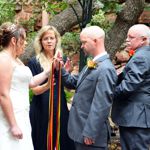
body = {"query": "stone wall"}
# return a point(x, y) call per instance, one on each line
point(25, 11)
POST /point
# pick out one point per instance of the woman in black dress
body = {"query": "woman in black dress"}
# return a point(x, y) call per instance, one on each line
point(47, 45)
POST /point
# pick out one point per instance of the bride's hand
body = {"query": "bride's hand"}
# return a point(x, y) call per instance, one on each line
point(48, 83)
point(16, 132)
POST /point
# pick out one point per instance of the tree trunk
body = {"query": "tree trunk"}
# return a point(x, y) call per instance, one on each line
point(125, 19)
point(67, 19)
point(122, 1)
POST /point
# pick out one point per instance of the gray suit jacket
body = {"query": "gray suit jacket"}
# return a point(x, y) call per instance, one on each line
point(131, 106)
point(92, 102)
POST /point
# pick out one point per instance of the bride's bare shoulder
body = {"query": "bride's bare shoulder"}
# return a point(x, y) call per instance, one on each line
point(5, 59)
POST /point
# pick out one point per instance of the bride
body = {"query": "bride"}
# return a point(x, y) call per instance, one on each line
point(15, 81)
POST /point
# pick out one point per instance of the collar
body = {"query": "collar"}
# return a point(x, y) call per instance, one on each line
point(141, 48)
point(98, 56)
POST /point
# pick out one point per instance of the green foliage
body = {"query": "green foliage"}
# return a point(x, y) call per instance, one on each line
point(31, 36)
point(54, 7)
point(99, 19)
point(70, 41)
point(7, 11)
point(111, 6)
point(147, 6)
point(29, 27)
point(69, 95)
point(30, 95)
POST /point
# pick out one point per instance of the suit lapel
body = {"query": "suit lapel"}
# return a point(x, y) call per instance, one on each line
point(83, 76)
point(85, 72)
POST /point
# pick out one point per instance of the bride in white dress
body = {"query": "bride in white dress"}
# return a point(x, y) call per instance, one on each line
point(15, 80)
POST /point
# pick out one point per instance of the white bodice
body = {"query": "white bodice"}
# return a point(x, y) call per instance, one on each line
point(19, 96)
point(19, 91)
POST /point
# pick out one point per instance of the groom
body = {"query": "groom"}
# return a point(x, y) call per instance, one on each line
point(88, 122)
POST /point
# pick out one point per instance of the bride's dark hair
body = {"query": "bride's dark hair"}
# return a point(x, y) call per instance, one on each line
point(9, 30)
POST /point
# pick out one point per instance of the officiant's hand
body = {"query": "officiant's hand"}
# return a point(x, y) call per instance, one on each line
point(68, 65)
point(16, 132)
point(57, 60)
point(88, 141)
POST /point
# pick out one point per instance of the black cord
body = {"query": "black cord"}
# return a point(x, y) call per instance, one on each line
point(76, 16)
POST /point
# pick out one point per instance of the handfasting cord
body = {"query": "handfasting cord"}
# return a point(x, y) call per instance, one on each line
point(50, 138)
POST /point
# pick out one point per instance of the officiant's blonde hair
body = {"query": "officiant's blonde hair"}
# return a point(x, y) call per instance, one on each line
point(40, 55)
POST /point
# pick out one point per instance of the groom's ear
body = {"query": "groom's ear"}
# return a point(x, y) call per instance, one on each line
point(95, 41)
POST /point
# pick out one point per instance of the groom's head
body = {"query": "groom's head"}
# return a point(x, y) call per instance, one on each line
point(92, 40)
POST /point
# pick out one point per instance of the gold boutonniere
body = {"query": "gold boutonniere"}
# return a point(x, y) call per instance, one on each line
point(91, 64)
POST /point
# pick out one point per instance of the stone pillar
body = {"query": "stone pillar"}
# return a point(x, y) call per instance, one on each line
point(45, 18)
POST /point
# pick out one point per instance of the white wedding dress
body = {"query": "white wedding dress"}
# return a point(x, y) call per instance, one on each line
point(19, 94)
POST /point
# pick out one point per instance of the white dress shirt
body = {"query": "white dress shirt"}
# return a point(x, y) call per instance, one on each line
point(98, 56)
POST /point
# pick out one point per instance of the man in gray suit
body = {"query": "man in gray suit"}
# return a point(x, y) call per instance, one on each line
point(88, 121)
point(131, 108)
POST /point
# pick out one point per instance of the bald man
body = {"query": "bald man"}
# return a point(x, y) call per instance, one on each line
point(88, 121)
point(131, 107)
